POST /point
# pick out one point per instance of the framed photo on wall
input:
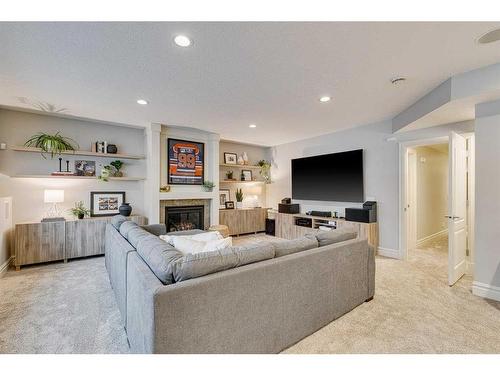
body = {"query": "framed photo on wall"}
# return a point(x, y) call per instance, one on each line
point(246, 175)
point(186, 162)
point(106, 203)
point(229, 205)
point(224, 196)
point(230, 158)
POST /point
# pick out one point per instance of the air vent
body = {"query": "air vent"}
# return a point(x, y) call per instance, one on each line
point(490, 37)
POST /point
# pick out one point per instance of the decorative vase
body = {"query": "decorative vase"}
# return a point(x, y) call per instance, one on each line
point(118, 174)
point(125, 209)
point(81, 216)
point(245, 158)
point(240, 160)
point(239, 205)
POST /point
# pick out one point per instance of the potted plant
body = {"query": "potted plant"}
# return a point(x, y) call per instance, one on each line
point(265, 170)
point(117, 164)
point(239, 198)
point(229, 175)
point(79, 210)
point(53, 144)
point(208, 185)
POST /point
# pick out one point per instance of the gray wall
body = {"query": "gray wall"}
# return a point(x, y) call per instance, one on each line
point(381, 160)
point(16, 127)
point(487, 248)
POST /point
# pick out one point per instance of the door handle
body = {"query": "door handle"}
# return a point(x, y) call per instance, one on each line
point(452, 217)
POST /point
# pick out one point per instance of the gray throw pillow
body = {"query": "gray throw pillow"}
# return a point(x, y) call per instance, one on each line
point(118, 220)
point(159, 256)
point(333, 236)
point(294, 246)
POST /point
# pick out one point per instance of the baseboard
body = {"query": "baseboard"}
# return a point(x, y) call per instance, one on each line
point(486, 290)
point(389, 253)
point(432, 236)
point(5, 266)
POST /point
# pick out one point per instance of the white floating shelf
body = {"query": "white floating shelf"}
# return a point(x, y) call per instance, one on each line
point(78, 177)
point(240, 182)
point(240, 166)
point(82, 153)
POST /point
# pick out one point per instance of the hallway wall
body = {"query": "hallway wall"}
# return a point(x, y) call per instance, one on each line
point(432, 190)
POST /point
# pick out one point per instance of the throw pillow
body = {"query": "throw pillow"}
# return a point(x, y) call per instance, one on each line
point(190, 246)
point(206, 236)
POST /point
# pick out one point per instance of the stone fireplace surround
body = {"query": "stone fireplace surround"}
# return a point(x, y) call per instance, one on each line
point(186, 202)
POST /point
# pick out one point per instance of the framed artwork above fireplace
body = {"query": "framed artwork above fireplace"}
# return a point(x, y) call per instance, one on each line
point(186, 162)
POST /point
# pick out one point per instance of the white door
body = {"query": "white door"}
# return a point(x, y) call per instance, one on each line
point(411, 204)
point(457, 208)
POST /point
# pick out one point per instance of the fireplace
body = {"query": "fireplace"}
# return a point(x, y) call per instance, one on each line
point(184, 218)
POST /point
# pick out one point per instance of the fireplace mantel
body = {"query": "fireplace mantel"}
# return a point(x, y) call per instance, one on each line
point(188, 195)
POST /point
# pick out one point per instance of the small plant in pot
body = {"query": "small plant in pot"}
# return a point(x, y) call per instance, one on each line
point(105, 173)
point(239, 198)
point(229, 175)
point(117, 164)
point(208, 186)
point(265, 170)
point(79, 210)
point(51, 144)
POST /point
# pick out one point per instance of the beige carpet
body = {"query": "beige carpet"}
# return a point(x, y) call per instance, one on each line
point(69, 308)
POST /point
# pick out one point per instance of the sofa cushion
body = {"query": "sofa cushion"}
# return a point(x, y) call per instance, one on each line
point(287, 247)
point(186, 245)
point(191, 266)
point(333, 236)
point(156, 229)
point(159, 256)
point(126, 227)
point(118, 220)
point(137, 234)
point(198, 236)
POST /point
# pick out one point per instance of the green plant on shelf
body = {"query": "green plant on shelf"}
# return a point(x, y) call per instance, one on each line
point(265, 170)
point(239, 195)
point(53, 144)
point(80, 211)
point(105, 173)
point(117, 164)
point(208, 186)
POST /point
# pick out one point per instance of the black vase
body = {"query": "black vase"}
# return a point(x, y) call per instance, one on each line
point(125, 209)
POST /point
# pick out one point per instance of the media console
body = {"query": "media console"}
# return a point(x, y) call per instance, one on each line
point(290, 226)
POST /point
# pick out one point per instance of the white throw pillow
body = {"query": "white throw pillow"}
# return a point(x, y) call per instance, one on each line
point(190, 246)
point(205, 237)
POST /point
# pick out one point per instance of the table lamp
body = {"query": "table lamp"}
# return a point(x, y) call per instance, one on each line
point(54, 197)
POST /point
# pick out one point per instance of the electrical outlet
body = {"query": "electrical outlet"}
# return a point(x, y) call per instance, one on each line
point(3, 146)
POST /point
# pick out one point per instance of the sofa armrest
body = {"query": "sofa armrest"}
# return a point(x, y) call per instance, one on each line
point(156, 229)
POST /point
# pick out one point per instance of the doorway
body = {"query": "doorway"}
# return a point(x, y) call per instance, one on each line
point(437, 209)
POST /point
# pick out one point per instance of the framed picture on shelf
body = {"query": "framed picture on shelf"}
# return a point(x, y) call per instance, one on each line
point(224, 196)
point(186, 162)
point(85, 167)
point(106, 203)
point(229, 205)
point(246, 175)
point(230, 158)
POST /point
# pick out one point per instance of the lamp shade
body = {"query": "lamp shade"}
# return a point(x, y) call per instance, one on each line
point(53, 196)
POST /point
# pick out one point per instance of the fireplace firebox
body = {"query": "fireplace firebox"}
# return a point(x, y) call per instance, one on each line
point(184, 218)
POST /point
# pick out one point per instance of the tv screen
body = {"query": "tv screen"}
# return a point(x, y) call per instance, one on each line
point(332, 177)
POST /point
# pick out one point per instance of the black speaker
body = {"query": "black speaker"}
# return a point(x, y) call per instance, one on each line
point(292, 208)
point(361, 215)
point(270, 227)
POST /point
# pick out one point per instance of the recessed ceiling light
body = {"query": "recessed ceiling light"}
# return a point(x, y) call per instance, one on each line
point(490, 37)
point(325, 99)
point(142, 102)
point(252, 126)
point(398, 80)
point(182, 41)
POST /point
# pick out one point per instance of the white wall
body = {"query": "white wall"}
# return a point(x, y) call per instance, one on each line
point(487, 228)
point(16, 127)
point(381, 160)
point(432, 191)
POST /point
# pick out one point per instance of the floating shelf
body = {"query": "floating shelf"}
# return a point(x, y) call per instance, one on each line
point(78, 177)
point(82, 153)
point(240, 166)
point(240, 182)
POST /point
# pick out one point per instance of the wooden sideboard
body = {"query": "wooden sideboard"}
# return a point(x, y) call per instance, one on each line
point(286, 227)
point(244, 220)
point(61, 240)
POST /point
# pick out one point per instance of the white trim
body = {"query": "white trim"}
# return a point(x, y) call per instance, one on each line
point(486, 290)
point(469, 268)
point(389, 253)
point(5, 266)
point(431, 237)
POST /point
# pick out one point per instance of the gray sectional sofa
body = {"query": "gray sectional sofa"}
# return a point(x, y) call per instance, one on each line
point(261, 298)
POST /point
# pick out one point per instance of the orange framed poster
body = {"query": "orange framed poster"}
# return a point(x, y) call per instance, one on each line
point(186, 162)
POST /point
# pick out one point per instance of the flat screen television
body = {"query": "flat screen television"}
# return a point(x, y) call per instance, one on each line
point(333, 177)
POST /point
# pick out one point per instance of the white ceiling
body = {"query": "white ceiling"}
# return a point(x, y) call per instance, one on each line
point(270, 74)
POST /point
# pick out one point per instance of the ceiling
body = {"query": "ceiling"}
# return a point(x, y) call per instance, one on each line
point(235, 74)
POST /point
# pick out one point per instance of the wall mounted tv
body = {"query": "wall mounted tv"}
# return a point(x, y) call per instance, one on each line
point(333, 177)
